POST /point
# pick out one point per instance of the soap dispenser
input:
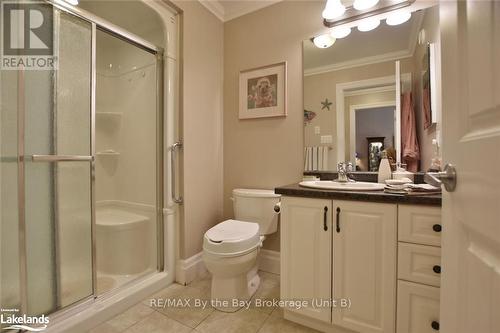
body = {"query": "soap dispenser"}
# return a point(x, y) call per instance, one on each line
point(436, 159)
point(384, 169)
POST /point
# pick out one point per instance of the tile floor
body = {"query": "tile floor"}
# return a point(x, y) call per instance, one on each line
point(145, 318)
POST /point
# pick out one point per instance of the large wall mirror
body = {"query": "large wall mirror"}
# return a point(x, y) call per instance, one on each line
point(373, 91)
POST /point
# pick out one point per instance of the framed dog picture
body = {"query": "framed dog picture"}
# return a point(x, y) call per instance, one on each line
point(263, 92)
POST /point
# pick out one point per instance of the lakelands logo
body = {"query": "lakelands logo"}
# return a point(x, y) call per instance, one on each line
point(13, 321)
point(27, 40)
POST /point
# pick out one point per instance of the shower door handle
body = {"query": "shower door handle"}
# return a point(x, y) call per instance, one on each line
point(62, 158)
point(173, 171)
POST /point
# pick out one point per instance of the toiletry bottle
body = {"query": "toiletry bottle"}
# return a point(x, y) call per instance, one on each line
point(436, 160)
point(384, 169)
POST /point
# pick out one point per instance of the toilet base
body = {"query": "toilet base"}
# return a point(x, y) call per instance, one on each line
point(230, 294)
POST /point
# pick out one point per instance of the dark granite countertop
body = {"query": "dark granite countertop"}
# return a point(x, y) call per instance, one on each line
point(294, 190)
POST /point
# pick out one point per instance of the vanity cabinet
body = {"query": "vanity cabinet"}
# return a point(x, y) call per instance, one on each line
point(332, 249)
point(383, 257)
point(306, 253)
point(364, 265)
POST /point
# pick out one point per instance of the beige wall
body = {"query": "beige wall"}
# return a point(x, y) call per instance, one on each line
point(202, 86)
point(431, 26)
point(265, 153)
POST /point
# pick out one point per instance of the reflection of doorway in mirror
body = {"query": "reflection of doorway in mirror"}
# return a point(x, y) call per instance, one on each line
point(371, 121)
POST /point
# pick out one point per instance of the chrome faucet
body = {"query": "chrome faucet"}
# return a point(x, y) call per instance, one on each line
point(343, 170)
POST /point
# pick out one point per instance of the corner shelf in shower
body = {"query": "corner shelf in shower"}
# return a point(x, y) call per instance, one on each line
point(109, 114)
point(107, 153)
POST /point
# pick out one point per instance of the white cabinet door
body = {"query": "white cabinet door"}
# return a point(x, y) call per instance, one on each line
point(364, 247)
point(306, 240)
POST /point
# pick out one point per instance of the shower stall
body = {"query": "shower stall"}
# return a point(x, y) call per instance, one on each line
point(82, 172)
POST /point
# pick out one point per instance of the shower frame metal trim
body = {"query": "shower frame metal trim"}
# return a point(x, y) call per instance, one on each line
point(107, 26)
point(97, 23)
point(93, 85)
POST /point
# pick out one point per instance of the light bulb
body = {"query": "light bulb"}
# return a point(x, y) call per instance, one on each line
point(364, 4)
point(323, 41)
point(398, 17)
point(340, 32)
point(368, 24)
point(333, 9)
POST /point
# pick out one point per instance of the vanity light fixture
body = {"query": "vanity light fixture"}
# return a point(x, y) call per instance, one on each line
point(360, 10)
point(368, 24)
point(72, 2)
point(364, 4)
point(323, 41)
point(398, 17)
point(340, 32)
point(333, 9)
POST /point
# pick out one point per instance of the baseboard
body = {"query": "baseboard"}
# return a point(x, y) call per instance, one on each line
point(189, 269)
point(269, 261)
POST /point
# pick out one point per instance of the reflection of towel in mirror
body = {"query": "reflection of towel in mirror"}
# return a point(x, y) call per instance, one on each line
point(409, 141)
point(315, 158)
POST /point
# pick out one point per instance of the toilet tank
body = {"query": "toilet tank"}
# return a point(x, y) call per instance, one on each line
point(252, 205)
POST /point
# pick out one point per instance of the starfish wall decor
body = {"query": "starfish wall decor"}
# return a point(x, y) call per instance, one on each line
point(326, 104)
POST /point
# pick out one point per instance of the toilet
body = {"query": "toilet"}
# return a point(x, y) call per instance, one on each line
point(230, 248)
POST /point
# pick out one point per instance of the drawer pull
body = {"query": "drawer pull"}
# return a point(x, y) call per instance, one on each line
point(437, 269)
point(435, 325)
point(436, 227)
point(325, 225)
point(338, 219)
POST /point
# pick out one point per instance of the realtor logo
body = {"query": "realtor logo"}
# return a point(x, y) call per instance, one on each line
point(27, 35)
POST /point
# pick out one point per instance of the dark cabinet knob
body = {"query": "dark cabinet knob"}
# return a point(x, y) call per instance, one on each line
point(435, 325)
point(437, 269)
point(436, 227)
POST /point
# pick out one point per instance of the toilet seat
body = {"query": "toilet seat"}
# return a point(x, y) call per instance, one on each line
point(232, 238)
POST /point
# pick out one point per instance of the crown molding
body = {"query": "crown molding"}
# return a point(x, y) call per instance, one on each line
point(215, 8)
point(397, 55)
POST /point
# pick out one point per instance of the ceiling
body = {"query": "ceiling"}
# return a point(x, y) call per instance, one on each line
point(227, 10)
point(385, 43)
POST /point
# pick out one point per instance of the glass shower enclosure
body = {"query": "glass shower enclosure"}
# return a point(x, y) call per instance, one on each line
point(81, 165)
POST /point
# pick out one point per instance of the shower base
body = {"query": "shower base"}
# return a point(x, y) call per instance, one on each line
point(107, 282)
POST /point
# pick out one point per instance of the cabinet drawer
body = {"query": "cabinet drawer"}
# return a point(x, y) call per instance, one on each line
point(418, 308)
point(419, 263)
point(419, 224)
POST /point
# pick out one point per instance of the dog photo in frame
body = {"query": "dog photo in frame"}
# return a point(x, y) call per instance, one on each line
point(263, 92)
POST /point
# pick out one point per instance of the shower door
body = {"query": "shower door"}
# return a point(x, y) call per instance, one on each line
point(47, 237)
point(48, 161)
point(58, 177)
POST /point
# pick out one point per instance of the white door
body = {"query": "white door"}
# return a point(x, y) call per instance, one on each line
point(306, 240)
point(470, 292)
point(364, 251)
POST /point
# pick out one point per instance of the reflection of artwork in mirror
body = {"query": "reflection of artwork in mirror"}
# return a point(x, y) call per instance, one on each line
point(375, 148)
point(262, 92)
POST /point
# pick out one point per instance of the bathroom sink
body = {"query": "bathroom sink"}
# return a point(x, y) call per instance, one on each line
point(351, 186)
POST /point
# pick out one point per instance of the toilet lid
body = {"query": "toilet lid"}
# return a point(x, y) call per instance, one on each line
point(232, 237)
